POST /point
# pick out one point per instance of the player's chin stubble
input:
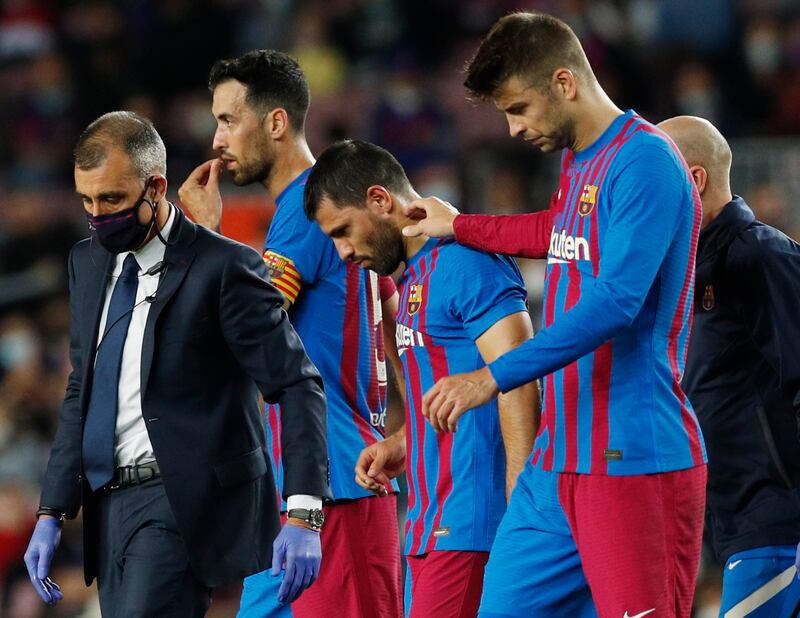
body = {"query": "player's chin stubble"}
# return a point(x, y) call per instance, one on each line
point(250, 172)
point(387, 248)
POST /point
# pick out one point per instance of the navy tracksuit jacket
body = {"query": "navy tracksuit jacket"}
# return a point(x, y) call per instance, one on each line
point(743, 379)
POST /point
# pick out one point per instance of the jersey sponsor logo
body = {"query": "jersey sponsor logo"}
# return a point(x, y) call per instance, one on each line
point(414, 298)
point(378, 419)
point(708, 298)
point(441, 531)
point(406, 337)
point(564, 247)
point(734, 564)
point(587, 200)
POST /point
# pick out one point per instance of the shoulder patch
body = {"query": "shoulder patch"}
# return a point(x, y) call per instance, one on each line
point(283, 274)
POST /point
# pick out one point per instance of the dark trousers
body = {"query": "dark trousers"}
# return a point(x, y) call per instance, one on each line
point(143, 566)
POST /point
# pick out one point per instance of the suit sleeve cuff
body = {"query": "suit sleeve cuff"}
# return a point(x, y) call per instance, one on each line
point(303, 501)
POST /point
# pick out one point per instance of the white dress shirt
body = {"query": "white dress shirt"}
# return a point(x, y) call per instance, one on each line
point(132, 443)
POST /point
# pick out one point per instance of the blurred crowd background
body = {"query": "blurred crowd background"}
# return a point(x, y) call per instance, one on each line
point(384, 70)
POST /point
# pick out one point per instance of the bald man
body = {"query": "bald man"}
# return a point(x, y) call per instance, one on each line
point(743, 379)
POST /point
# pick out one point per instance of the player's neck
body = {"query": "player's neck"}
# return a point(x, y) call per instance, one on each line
point(289, 164)
point(413, 245)
point(594, 120)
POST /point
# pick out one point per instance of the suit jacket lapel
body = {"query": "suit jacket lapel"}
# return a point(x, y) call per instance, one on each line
point(97, 275)
point(178, 258)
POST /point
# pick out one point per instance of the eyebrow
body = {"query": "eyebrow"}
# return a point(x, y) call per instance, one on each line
point(515, 108)
point(338, 230)
point(104, 195)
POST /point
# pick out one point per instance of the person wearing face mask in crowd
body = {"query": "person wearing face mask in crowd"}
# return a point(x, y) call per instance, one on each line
point(174, 331)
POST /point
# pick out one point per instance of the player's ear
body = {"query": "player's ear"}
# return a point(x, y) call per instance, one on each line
point(379, 200)
point(563, 84)
point(276, 123)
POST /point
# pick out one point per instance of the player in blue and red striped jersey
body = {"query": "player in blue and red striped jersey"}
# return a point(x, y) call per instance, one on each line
point(459, 309)
point(607, 518)
point(260, 102)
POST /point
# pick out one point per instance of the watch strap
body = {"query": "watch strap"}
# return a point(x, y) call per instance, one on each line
point(302, 523)
point(313, 518)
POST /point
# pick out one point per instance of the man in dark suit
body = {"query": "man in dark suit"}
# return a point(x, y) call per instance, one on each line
point(174, 332)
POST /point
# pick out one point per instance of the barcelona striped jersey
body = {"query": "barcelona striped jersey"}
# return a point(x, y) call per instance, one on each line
point(449, 296)
point(617, 310)
point(336, 311)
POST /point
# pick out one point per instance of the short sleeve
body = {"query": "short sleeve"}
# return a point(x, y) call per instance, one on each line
point(486, 288)
point(297, 251)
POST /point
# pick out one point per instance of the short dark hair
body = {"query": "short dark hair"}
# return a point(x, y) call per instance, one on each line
point(344, 172)
point(135, 135)
point(526, 45)
point(272, 78)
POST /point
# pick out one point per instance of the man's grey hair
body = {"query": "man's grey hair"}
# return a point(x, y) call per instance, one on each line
point(135, 135)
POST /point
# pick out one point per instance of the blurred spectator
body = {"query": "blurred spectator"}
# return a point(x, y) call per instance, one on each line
point(769, 205)
point(323, 64)
point(696, 92)
point(410, 123)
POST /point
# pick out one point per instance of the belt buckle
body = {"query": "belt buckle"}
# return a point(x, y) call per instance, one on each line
point(116, 483)
point(124, 477)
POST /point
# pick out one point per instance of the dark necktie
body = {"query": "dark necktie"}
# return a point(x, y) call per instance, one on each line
point(101, 419)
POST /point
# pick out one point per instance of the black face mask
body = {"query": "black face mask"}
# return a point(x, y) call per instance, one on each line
point(121, 231)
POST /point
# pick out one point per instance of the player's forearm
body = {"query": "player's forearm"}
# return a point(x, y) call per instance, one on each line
point(519, 415)
point(573, 335)
point(526, 235)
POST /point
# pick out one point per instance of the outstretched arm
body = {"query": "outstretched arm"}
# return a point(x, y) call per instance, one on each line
point(526, 235)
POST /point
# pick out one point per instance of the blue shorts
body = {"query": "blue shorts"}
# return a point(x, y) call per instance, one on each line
point(534, 568)
point(260, 597)
point(760, 583)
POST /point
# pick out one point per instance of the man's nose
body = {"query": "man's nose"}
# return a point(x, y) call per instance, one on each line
point(219, 142)
point(343, 248)
point(515, 128)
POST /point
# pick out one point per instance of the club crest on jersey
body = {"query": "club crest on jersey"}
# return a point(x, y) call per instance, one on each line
point(588, 200)
point(414, 298)
point(708, 298)
point(276, 264)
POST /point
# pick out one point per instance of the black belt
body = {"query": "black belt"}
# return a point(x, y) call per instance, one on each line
point(127, 476)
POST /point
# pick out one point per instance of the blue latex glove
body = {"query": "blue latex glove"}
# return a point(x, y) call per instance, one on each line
point(44, 540)
point(298, 551)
